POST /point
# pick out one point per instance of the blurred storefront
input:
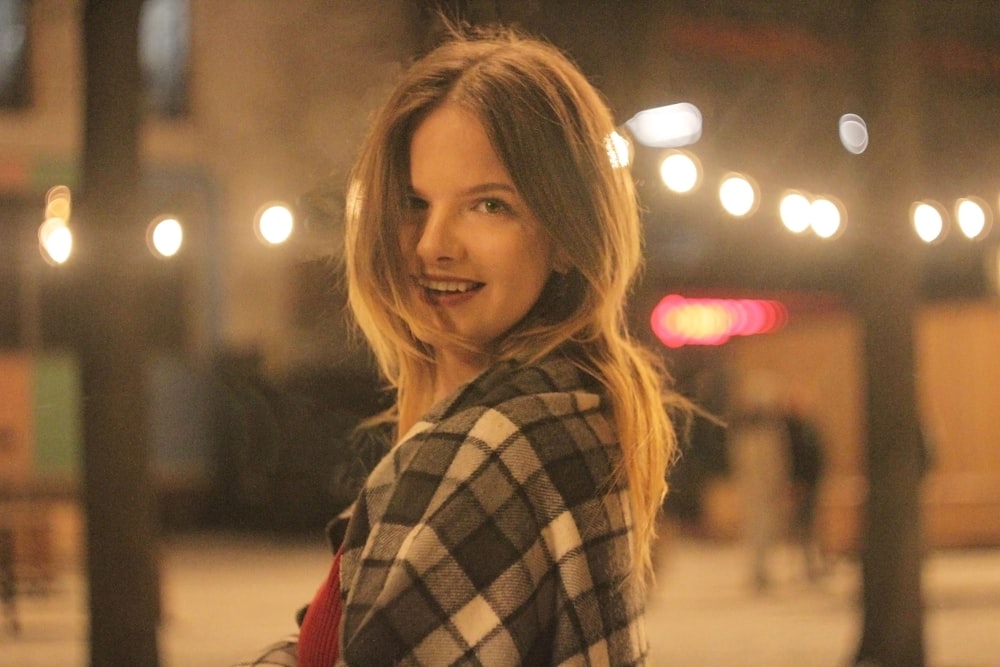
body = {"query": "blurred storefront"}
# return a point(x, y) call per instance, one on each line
point(254, 380)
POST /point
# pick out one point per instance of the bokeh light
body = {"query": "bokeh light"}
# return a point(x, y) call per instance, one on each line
point(928, 220)
point(274, 223)
point(826, 217)
point(795, 211)
point(853, 133)
point(973, 217)
point(165, 236)
point(619, 150)
point(55, 240)
point(58, 203)
point(738, 195)
point(677, 320)
point(680, 172)
point(670, 126)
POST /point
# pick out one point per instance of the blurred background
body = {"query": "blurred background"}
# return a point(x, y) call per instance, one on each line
point(747, 126)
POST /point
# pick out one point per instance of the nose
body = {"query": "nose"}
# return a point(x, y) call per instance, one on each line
point(438, 239)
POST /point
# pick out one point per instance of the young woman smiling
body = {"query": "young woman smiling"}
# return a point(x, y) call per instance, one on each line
point(491, 242)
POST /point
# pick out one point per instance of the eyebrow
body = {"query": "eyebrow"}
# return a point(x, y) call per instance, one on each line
point(489, 187)
point(481, 188)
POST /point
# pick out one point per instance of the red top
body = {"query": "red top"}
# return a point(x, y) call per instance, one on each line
point(319, 634)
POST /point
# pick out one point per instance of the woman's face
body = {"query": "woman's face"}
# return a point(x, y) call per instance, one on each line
point(477, 257)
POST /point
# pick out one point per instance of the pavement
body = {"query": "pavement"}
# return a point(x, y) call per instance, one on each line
point(227, 595)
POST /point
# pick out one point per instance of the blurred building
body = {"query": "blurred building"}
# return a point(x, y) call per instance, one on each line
point(251, 102)
point(253, 380)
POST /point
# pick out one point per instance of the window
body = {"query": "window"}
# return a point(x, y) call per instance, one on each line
point(164, 38)
point(13, 54)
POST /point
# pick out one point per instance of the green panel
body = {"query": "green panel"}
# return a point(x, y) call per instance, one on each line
point(58, 431)
point(47, 173)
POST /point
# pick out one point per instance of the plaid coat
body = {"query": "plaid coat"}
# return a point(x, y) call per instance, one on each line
point(496, 534)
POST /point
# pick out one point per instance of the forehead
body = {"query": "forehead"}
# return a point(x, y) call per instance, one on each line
point(451, 146)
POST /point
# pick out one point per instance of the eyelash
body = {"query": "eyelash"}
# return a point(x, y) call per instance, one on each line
point(486, 204)
point(489, 205)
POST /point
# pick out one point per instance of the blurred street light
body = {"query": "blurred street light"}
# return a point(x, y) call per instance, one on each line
point(928, 220)
point(671, 126)
point(274, 223)
point(58, 203)
point(795, 211)
point(827, 217)
point(165, 236)
point(972, 216)
point(853, 133)
point(55, 240)
point(738, 195)
point(680, 171)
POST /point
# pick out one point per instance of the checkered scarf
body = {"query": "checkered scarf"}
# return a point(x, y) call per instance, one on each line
point(495, 533)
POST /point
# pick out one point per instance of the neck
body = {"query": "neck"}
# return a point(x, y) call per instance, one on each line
point(452, 369)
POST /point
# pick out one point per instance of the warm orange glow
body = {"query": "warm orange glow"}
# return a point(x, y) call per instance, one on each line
point(58, 202)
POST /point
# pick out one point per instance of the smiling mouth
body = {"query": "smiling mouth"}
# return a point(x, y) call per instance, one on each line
point(446, 287)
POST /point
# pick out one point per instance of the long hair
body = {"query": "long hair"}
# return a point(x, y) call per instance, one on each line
point(551, 130)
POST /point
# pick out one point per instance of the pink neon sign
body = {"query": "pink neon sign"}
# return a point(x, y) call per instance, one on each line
point(679, 321)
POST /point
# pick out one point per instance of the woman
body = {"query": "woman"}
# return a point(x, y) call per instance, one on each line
point(491, 240)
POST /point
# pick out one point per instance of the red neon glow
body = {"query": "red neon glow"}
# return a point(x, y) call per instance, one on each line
point(679, 321)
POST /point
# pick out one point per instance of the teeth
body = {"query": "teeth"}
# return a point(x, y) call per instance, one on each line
point(448, 285)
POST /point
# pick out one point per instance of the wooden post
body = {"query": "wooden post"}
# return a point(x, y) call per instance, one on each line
point(108, 326)
point(887, 299)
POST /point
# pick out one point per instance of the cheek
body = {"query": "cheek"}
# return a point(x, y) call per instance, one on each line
point(405, 241)
point(538, 270)
point(545, 255)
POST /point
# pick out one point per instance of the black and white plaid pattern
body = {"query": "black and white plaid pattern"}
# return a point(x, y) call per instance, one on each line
point(495, 533)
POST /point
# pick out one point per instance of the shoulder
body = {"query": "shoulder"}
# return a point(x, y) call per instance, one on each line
point(549, 401)
point(554, 385)
point(554, 438)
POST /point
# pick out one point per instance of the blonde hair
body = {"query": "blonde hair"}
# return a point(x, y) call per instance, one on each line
point(550, 128)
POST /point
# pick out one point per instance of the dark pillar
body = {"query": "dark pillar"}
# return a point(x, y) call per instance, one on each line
point(108, 327)
point(887, 293)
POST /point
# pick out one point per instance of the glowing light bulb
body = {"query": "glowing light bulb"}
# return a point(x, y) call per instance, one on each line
point(928, 221)
point(275, 223)
point(55, 241)
point(680, 172)
point(165, 236)
point(738, 195)
point(795, 211)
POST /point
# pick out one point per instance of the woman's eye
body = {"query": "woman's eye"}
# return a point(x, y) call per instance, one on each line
point(493, 206)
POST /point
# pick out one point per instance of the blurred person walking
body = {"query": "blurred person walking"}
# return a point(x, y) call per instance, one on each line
point(805, 448)
point(758, 447)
